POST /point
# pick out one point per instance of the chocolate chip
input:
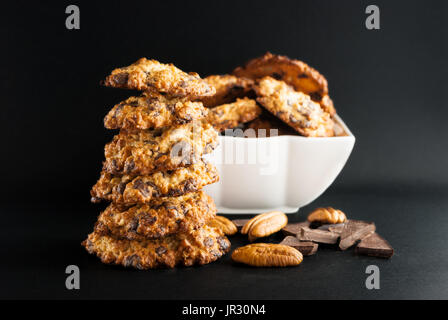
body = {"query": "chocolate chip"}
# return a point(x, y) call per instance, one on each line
point(129, 166)
point(118, 109)
point(171, 207)
point(121, 187)
point(171, 107)
point(277, 76)
point(160, 250)
point(159, 155)
point(155, 189)
point(133, 103)
point(157, 133)
point(133, 261)
point(142, 187)
point(216, 253)
point(112, 166)
point(120, 79)
point(175, 192)
point(101, 228)
point(190, 185)
point(302, 76)
point(316, 96)
point(133, 226)
point(150, 100)
point(208, 242)
point(147, 219)
point(223, 243)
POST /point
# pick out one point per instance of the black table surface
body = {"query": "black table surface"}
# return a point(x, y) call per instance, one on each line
point(40, 240)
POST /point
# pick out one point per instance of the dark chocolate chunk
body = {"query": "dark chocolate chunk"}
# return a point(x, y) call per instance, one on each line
point(142, 187)
point(121, 187)
point(161, 250)
point(277, 75)
point(316, 235)
point(335, 228)
point(223, 243)
point(117, 110)
point(208, 242)
point(190, 185)
point(354, 231)
point(129, 166)
point(155, 191)
point(120, 79)
point(316, 96)
point(147, 220)
point(375, 246)
point(133, 226)
point(133, 261)
point(307, 248)
point(293, 229)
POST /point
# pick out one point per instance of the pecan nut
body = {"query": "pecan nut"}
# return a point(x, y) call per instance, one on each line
point(327, 215)
point(224, 224)
point(267, 255)
point(265, 224)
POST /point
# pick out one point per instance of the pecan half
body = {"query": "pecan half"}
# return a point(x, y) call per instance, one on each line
point(224, 224)
point(327, 215)
point(264, 224)
point(267, 255)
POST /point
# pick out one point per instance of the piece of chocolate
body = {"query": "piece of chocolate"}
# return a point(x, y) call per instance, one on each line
point(375, 246)
point(240, 222)
point(335, 228)
point(317, 235)
point(293, 229)
point(307, 248)
point(353, 231)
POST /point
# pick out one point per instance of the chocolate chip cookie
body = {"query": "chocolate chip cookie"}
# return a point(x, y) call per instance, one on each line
point(151, 75)
point(199, 247)
point(126, 189)
point(144, 152)
point(153, 111)
point(294, 108)
point(159, 218)
point(228, 116)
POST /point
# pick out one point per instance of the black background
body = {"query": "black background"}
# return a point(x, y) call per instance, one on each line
point(388, 85)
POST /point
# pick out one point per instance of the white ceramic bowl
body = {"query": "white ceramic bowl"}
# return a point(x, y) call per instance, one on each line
point(276, 173)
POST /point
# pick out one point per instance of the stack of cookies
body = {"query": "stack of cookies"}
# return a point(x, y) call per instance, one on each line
point(154, 172)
